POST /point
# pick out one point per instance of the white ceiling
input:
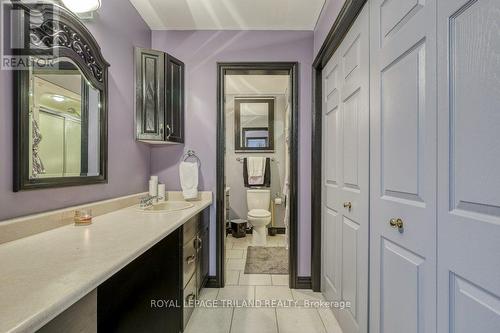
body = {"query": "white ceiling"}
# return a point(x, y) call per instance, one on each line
point(253, 110)
point(256, 84)
point(66, 81)
point(230, 14)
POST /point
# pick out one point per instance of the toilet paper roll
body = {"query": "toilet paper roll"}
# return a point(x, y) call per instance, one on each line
point(161, 192)
point(278, 201)
point(153, 188)
point(155, 178)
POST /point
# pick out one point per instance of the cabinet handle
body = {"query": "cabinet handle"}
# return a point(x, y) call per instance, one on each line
point(190, 298)
point(348, 205)
point(198, 243)
point(169, 132)
point(191, 259)
point(397, 223)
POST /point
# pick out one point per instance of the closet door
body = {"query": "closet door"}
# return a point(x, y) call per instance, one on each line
point(345, 177)
point(403, 166)
point(469, 166)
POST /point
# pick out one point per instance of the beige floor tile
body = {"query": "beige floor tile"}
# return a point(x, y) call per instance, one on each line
point(240, 240)
point(210, 320)
point(238, 293)
point(299, 320)
point(302, 295)
point(280, 280)
point(278, 293)
point(232, 277)
point(235, 264)
point(275, 241)
point(329, 320)
point(235, 254)
point(250, 320)
point(240, 245)
point(209, 293)
point(255, 279)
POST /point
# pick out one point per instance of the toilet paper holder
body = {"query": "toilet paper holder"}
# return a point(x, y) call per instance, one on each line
point(279, 199)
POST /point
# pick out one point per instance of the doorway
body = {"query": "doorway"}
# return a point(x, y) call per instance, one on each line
point(257, 129)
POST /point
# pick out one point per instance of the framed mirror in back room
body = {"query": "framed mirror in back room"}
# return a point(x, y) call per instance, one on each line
point(254, 124)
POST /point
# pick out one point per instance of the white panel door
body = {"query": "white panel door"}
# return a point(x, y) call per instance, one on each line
point(346, 177)
point(469, 166)
point(403, 166)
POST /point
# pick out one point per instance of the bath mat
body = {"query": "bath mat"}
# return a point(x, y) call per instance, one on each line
point(266, 260)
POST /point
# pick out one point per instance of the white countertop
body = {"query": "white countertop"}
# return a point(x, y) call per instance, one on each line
point(44, 274)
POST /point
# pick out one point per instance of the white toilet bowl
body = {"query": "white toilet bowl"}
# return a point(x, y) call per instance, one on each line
point(258, 201)
point(259, 219)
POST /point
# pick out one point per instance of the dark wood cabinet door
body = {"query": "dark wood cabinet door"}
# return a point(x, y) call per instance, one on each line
point(174, 127)
point(203, 251)
point(150, 94)
point(128, 301)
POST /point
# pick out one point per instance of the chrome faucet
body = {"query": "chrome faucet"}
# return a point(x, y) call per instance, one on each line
point(147, 201)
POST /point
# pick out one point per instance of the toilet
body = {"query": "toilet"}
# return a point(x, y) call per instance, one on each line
point(259, 217)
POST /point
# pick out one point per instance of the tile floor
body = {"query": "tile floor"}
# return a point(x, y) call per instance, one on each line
point(240, 287)
point(236, 254)
point(298, 318)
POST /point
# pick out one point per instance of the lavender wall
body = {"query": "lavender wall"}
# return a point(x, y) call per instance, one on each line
point(117, 28)
point(201, 50)
point(325, 22)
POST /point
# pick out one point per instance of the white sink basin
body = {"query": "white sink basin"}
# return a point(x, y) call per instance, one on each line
point(168, 206)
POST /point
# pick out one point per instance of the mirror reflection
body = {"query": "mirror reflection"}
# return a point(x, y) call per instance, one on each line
point(64, 123)
point(254, 124)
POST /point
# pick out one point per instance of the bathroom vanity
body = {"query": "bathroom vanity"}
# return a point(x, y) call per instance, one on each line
point(156, 291)
point(106, 276)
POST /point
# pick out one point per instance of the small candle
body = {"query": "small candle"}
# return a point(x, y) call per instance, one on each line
point(83, 217)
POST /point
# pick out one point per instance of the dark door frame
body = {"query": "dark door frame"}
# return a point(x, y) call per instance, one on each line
point(256, 68)
point(341, 26)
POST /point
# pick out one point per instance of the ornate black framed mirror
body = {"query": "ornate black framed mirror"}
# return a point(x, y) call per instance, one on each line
point(61, 100)
point(254, 124)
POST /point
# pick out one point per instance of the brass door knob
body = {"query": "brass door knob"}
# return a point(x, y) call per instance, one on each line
point(348, 205)
point(397, 223)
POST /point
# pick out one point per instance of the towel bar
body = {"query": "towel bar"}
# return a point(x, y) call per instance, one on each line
point(240, 159)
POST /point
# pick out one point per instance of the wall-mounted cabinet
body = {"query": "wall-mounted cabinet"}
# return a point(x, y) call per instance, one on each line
point(159, 108)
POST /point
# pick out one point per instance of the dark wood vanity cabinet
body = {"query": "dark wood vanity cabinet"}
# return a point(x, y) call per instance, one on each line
point(203, 251)
point(159, 90)
point(153, 292)
point(195, 259)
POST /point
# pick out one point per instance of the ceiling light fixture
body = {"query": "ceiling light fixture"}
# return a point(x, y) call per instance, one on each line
point(82, 6)
point(58, 98)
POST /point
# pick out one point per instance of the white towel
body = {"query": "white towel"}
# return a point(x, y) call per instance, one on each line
point(189, 179)
point(256, 167)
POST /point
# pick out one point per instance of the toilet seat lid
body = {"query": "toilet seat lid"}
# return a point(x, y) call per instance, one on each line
point(259, 213)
